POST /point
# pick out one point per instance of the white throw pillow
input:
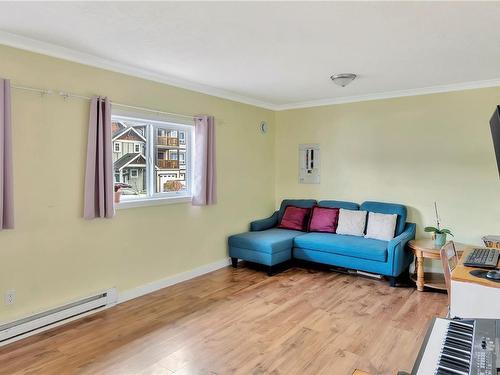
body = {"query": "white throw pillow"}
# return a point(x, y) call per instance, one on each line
point(351, 222)
point(381, 226)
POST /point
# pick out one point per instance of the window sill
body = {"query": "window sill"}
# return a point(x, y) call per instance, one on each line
point(151, 202)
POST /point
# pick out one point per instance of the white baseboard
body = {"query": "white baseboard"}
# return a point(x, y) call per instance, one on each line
point(134, 293)
point(172, 280)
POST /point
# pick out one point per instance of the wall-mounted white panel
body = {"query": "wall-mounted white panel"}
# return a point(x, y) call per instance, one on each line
point(309, 163)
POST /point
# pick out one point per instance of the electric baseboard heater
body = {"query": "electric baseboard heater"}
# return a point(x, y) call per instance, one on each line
point(16, 330)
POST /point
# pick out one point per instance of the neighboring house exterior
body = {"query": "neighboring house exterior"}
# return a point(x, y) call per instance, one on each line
point(170, 160)
point(128, 155)
point(129, 161)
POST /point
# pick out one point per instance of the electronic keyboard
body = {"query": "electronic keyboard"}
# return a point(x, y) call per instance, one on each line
point(460, 347)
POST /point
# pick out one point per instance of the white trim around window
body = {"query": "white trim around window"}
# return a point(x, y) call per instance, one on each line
point(117, 146)
point(156, 175)
point(151, 202)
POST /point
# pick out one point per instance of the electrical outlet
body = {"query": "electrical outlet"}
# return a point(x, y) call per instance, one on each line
point(10, 297)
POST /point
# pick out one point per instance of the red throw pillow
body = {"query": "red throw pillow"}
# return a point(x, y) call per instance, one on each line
point(324, 219)
point(295, 218)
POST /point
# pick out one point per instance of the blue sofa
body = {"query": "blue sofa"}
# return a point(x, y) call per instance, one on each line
point(270, 246)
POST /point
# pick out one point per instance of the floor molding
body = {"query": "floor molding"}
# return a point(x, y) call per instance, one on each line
point(130, 294)
point(171, 280)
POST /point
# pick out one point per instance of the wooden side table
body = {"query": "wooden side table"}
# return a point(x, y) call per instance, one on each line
point(423, 249)
point(426, 249)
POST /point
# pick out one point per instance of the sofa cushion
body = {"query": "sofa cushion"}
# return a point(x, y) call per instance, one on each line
point(295, 218)
point(305, 203)
point(388, 208)
point(339, 204)
point(381, 226)
point(354, 246)
point(352, 222)
point(267, 241)
point(323, 219)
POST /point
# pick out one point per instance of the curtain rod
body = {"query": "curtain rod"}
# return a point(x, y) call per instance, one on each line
point(33, 89)
point(67, 95)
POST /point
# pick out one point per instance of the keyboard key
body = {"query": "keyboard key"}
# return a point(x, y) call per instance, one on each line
point(454, 365)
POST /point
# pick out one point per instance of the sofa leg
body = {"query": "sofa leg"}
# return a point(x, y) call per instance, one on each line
point(270, 271)
point(392, 281)
point(401, 280)
point(405, 276)
point(277, 268)
point(234, 262)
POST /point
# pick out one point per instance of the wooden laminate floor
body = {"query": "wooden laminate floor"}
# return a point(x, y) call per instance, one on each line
point(241, 322)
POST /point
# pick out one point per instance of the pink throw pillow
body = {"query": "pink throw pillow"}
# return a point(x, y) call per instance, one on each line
point(295, 218)
point(324, 219)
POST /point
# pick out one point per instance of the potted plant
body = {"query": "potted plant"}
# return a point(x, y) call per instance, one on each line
point(439, 233)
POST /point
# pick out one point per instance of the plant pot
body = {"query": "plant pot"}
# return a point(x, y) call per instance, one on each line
point(118, 195)
point(440, 239)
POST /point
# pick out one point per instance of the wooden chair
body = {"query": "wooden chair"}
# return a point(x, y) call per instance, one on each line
point(449, 259)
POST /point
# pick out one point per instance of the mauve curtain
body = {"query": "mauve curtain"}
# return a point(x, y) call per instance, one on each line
point(98, 200)
point(6, 179)
point(204, 189)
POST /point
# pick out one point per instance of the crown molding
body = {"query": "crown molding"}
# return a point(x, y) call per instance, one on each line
point(29, 44)
point(392, 94)
point(33, 45)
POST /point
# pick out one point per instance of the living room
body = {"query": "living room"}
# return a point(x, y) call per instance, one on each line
point(246, 187)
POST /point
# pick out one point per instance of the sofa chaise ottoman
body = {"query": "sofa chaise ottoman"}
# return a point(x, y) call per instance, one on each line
point(271, 246)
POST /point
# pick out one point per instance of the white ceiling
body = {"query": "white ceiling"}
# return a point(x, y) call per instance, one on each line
point(277, 55)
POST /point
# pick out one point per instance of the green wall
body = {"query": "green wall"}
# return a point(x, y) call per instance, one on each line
point(411, 150)
point(54, 255)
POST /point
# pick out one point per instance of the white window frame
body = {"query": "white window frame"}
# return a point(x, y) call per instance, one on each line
point(119, 144)
point(137, 144)
point(132, 170)
point(150, 153)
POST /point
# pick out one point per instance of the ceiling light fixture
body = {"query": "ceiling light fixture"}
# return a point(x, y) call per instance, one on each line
point(343, 79)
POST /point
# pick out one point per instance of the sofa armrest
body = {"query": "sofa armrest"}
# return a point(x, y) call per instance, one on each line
point(398, 255)
point(264, 224)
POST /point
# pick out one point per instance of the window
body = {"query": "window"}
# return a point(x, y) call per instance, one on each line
point(182, 139)
point(151, 169)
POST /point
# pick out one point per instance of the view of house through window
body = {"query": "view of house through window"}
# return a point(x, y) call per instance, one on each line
point(151, 158)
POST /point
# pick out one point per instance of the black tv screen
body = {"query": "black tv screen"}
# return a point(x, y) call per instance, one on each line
point(495, 133)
